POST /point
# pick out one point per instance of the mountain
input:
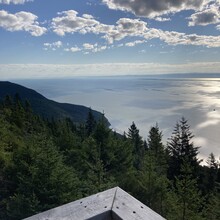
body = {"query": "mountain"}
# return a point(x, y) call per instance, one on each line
point(48, 108)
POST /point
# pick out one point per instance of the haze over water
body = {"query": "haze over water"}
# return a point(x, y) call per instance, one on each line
point(146, 101)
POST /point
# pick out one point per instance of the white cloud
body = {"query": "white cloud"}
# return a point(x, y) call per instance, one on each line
point(70, 22)
point(21, 21)
point(126, 27)
point(88, 46)
point(176, 38)
point(155, 8)
point(72, 49)
point(16, 2)
point(53, 45)
point(162, 19)
point(8, 72)
point(134, 43)
point(206, 17)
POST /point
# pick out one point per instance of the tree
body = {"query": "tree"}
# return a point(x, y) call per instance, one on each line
point(90, 123)
point(181, 149)
point(185, 200)
point(212, 172)
point(95, 176)
point(211, 210)
point(156, 149)
point(137, 145)
point(41, 179)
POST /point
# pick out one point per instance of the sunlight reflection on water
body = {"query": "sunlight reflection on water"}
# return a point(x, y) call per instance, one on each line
point(146, 101)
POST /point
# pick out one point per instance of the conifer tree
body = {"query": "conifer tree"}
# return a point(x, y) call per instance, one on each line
point(189, 197)
point(152, 179)
point(41, 179)
point(90, 123)
point(95, 176)
point(102, 136)
point(212, 172)
point(137, 145)
point(156, 149)
point(181, 149)
point(211, 209)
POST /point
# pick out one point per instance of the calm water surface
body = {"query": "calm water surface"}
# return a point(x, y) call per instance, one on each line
point(146, 101)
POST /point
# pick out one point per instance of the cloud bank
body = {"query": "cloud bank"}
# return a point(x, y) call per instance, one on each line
point(68, 22)
point(28, 71)
point(205, 17)
point(154, 8)
point(206, 11)
point(21, 21)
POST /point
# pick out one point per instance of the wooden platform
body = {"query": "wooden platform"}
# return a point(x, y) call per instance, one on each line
point(112, 204)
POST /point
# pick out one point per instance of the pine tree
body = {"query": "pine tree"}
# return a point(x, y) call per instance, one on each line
point(211, 210)
point(102, 136)
point(90, 123)
point(212, 172)
point(156, 149)
point(137, 145)
point(181, 149)
point(41, 179)
point(95, 177)
point(185, 201)
point(152, 179)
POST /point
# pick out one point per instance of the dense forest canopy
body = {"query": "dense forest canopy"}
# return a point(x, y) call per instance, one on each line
point(47, 163)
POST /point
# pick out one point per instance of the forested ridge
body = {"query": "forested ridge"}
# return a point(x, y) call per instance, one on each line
point(47, 108)
point(47, 163)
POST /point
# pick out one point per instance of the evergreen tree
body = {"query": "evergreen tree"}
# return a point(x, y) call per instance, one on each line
point(181, 149)
point(185, 201)
point(102, 136)
point(44, 164)
point(40, 178)
point(212, 172)
point(8, 103)
point(152, 183)
point(156, 149)
point(95, 176)
point(137, 145)
point(211, 210)
point(90, 123)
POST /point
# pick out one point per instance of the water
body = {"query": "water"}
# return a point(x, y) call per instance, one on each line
point(146, 101)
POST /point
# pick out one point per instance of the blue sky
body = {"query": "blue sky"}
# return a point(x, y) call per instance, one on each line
point(64, 38)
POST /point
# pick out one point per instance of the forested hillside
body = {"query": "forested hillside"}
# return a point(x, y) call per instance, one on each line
point(46, 108)
point(46, 163)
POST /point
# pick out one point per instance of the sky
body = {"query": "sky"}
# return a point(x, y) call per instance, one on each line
point(65, 38)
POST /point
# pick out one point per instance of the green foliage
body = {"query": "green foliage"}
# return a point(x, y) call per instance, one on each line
point(189, 197)
point(90, 123)
point(211, 210)
point(44, 107)
point(137, 145)
point(46, 163)
point(181, 150)
point(95, 176)
point(212, 172)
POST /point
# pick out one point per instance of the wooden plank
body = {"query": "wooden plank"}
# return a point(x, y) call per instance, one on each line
point(127, 207)
point(96, 205)
point(112, 204)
